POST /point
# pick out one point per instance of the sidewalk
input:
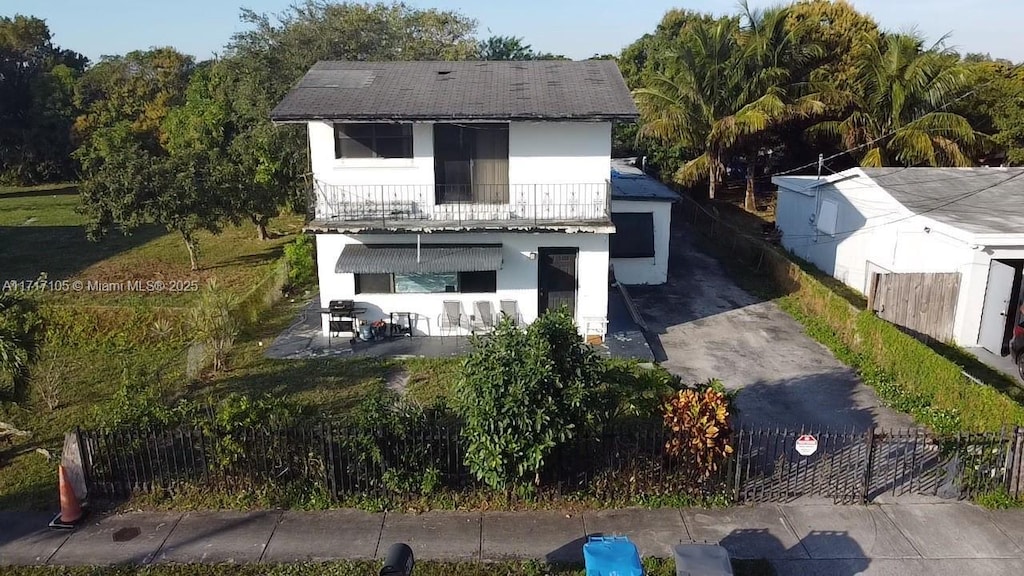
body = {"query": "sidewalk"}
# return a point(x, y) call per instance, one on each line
point(905, 539)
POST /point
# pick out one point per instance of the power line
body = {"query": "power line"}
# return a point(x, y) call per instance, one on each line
point(821, 161)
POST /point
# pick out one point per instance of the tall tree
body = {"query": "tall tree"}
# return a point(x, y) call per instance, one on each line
point(144, 160)
point(898, 115)
point(264, 61)
point(722, 85)
point(36, 102)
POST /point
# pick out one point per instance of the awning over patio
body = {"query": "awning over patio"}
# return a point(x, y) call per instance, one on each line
point(407, 259)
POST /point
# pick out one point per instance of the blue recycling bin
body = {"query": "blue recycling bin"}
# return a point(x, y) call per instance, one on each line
point(611, 556)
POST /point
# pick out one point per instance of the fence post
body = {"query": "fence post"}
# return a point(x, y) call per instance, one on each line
point(1014, 462)
point(737, 460)
point(868, 461)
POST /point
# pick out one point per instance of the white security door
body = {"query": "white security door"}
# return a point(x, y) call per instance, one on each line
point(997, 303)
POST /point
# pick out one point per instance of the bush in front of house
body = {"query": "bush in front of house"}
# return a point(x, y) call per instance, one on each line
point(700, 433)
point(301, 263)
point(522, 392)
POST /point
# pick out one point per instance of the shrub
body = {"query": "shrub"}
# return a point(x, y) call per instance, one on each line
point(213, 324)
point(699, 430)
point(236, 416)
point(521, 393)
point(21, 334)
point(301, 263)
point(390, 434)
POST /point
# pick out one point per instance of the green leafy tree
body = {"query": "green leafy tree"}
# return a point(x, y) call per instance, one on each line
point(723, 85)
point(840, 29)
point(36, 102)
point(995, 106)
point(21, 334)
point(265, 60)
point(521, 394)
point(511, 48)
point(152, 150)
point(897, 117)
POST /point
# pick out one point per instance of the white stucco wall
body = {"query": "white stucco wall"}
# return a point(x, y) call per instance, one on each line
point(633, 271)
point(873, 231)
point(889, 238)
point(516, 280)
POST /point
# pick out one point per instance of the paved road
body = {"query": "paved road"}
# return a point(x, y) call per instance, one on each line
point(710, 328)
point(908, 540)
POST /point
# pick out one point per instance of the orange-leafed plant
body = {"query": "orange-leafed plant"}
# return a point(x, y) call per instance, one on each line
point(699, 430)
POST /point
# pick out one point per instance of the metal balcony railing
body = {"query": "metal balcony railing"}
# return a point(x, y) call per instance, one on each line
point(393, 205)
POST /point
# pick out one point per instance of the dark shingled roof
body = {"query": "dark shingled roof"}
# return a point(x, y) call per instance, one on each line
point(485, 90)
point(977, 200)
point(401, 259)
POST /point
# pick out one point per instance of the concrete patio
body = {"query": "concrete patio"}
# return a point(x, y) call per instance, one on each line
point(304, 339)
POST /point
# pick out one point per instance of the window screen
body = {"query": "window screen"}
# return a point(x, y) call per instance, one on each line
point(373, 140)
point(373, 284)
point(478, 281)
point(634, 235)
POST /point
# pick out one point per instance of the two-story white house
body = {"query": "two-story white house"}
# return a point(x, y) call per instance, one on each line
point(448, 192)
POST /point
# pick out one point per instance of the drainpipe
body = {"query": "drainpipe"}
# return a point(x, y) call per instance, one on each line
point(417, 248)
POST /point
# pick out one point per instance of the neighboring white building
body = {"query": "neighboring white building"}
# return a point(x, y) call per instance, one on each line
point(468, 182)
point(642, 214)
point(966, 220)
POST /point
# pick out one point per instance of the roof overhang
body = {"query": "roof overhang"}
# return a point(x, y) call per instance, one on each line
point(428, 118)
point(424, 259)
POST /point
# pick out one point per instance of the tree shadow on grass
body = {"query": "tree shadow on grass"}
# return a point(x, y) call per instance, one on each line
point(331, 385)
point(61, 251)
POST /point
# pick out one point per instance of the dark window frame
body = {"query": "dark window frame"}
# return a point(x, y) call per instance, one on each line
point(487, 279)
point(373, 137)
point(634, 244)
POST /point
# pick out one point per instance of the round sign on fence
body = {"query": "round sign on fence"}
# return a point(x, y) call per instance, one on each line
point(806, 445)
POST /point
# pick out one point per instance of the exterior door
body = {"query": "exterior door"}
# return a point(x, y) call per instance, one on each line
point(556, 279)
point(998, 294)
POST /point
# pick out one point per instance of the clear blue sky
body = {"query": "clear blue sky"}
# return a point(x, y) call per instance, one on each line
point(576, 28)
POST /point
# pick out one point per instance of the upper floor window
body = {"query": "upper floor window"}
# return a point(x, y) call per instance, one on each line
point(373, 140)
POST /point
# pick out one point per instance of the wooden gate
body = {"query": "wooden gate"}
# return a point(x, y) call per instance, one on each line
point(924, 303)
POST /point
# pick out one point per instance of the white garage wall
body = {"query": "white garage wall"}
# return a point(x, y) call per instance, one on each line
point(517, 279)
point(871, 229)
point(646, 270)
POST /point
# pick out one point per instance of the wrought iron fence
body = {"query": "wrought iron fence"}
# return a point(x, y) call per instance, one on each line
point(623, 462)
point(439, 205)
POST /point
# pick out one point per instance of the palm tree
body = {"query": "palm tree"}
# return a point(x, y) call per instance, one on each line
point(723, 86)
point(19, 340)
point(898, 115)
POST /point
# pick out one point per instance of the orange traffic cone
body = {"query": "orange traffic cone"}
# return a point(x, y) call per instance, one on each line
point(71, 512)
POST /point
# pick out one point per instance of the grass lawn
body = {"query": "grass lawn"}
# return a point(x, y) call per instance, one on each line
point(329, 385)
point(652, 567)
point(40, 232)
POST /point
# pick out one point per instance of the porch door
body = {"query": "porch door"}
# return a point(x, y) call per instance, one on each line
point(471, 163)
point(556, 279)
point(998, 294)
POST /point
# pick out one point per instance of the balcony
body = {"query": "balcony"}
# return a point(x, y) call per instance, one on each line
point(359, 208)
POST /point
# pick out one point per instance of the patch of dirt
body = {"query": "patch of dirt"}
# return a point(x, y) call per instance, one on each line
point(398, 381)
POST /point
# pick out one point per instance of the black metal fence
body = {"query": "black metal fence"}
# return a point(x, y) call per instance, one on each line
point(847, 467)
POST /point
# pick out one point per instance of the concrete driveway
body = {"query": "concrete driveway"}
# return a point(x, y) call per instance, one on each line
point(708, 327)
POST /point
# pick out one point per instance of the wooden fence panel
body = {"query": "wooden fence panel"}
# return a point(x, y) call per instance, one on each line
point(924, 303)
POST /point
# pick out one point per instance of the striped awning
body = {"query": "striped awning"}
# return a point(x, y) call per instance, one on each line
point(404, 259)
